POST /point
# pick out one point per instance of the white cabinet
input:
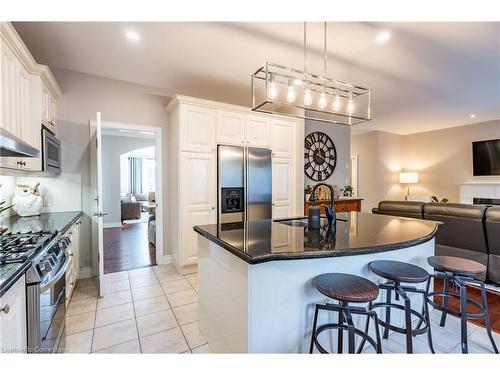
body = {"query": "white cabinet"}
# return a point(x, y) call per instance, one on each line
point(257, 132)
point(230, 127)
point(282, 138)
point(28, 97)
point(197, 130)
point(10, 91)
point(13, 337)
point(283, 188)
point(198, 199)
point(49, 109)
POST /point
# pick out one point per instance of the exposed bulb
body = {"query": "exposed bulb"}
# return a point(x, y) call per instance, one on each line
point(307, 97)
point(272, 90)
point(337, 102)
point(322, 100)
point(350, 105)
point(291, 96)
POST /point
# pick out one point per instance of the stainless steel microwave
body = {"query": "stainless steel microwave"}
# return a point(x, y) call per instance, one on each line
point(51, 152)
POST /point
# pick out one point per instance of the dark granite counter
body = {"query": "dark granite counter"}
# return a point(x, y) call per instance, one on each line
point(355, 233)
point(48, 222)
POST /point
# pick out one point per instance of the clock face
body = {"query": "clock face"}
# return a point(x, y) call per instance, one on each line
point(320, 157)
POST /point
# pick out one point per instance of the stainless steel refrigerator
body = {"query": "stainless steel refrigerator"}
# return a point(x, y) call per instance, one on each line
point(244, 183)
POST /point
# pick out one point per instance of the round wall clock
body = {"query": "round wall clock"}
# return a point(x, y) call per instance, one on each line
point(320, 157)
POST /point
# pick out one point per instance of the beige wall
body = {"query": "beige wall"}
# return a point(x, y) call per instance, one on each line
point(443, 159)
point(83, 96)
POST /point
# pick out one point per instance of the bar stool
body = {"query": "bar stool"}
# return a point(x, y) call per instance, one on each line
point(460, 272)
point(397, 273)
point(345, 288)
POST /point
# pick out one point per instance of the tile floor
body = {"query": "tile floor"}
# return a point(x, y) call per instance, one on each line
point(146, 310)
point(155, 310)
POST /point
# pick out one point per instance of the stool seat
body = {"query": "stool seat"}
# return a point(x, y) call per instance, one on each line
point(399, 271)
point(456, 265)
point(346, 288)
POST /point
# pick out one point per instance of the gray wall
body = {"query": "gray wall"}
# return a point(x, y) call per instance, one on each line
point(84, 95)
point(341, 137)
point(112, 148)
point(443, 159)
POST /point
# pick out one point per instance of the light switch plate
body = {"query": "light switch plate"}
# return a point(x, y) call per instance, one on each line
point(47, 200)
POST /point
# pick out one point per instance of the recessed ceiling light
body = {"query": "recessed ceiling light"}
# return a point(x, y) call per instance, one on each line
point(383, 36)
point(473, 115)
point(132, 36)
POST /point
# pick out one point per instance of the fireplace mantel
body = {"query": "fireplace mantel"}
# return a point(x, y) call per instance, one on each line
point(478, 189)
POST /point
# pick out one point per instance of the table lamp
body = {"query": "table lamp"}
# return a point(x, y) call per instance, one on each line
point(408, 178)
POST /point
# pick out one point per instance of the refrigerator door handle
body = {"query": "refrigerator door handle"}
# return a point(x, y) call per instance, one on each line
point(245, 179)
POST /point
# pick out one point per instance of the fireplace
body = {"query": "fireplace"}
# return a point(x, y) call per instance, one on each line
point(487, 201)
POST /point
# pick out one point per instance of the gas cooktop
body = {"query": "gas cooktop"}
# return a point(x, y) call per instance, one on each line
point(19, 247)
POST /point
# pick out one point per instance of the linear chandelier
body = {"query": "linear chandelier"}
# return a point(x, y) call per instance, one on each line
point(291, 92)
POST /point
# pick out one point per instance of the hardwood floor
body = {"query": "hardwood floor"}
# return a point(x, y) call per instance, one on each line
point(474, 294)
point(127, 248)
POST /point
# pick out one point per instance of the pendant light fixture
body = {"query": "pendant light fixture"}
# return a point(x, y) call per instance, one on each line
point(291, 92)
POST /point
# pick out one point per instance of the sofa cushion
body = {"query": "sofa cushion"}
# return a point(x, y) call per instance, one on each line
point(462, 227)
point(401, 208)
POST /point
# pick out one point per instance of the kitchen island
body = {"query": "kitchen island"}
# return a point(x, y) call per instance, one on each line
point(255, 290)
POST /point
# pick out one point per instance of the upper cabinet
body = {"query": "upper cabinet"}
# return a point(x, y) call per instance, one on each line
point(29, 95)
point(282, 138)
point(197, 128)
point(257, 131)
point(230, 127)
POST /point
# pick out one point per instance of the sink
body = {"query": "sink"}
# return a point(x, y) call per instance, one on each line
point(294, 222)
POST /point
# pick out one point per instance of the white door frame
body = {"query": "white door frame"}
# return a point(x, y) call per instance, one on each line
point(160, 258)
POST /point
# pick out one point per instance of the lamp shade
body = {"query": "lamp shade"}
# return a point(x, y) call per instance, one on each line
point(408, 178)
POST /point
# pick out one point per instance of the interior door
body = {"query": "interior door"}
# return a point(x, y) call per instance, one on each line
point(96, 183)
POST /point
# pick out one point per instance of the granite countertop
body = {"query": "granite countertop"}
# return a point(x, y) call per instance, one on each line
point(355, 233)
point(48, 222)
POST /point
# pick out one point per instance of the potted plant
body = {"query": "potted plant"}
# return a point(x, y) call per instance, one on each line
point(348, 191)
point(307, 192)
point(436, 200)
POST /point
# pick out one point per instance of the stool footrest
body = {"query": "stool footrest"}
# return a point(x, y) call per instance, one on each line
point(458, 314)
point(414, 332)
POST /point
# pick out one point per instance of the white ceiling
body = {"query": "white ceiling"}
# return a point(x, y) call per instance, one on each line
point(428, 76)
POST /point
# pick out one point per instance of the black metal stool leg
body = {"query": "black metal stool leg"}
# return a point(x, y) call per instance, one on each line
point(487, 317)
point(463, 317)
point(409, 337)
point(314, 328)
point(367, 325)
point(387, 313)
point(350, 329)
point(424, 306)
point(445, 302)
point(377, 334)
point(428, 318)
point(340, 333)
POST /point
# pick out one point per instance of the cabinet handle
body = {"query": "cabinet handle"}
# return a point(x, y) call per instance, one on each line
point(5, 309)
point(213, 208)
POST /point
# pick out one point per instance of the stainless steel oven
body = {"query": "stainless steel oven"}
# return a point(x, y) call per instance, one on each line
point(46, 298)
point(51, 152)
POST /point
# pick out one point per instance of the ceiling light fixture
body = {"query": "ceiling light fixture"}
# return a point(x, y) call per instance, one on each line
point(132, 36)
point(291, 92)
point(383, 36)
point(473, 115)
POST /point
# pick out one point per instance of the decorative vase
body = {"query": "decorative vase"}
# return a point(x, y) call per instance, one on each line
point(27, 201)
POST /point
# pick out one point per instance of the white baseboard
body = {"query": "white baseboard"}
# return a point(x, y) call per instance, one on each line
point(112, 225)
point(167, 259)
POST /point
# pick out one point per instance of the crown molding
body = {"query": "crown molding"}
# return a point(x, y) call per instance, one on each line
point(12, 39)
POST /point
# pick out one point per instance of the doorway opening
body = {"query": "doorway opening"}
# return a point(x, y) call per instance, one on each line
point(131, 193)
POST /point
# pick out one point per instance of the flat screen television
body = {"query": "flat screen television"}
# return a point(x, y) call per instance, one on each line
point(486, 158)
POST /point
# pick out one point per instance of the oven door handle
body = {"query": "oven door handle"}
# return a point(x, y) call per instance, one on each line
point(57, 276)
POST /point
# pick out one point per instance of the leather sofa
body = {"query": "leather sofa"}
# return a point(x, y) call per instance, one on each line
point(400, 208)
point(468, 231)
point(462, 234)
point(493, 236)
point(130, 210)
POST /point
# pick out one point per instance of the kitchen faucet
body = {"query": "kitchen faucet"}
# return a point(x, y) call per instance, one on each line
point(329, 210)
